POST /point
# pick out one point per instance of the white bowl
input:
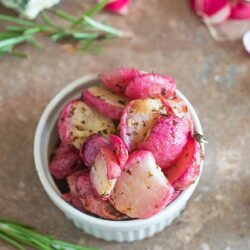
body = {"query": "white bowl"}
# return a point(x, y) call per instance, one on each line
point(46, 139)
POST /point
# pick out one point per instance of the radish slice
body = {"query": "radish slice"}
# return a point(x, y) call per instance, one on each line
point(82, 197)
point(246, 41)
point(142, 189)
point(65, 161)
point(138, 118)
point(104, 173)
point(104, 102)
point(178, 107)
point(186, 169)
point(91, 148)
point(215, 11)
point(151, 85)
point(118, 6)
point(120, 149)
point(166, 140)
point(118, 79)
point(78, 121)
point(241, 10)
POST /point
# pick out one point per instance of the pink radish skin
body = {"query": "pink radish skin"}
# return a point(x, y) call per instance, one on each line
point(118, 6)
point(91, 148)
point(166, 140)
point(142, 189)
point(186, 169)
point(118, 79)
point(82, 197)
point(215, 11)
point(104, 173)
point(178, 107)
point(65, 161)
point(151, 85)
point(78, 121)
point(120, 149)
point(241, 10)
point(104, 102)
point(138, 118)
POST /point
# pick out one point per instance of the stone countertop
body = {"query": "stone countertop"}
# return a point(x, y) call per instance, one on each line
point(167, 39)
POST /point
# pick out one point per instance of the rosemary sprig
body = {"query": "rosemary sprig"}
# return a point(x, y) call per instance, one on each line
point(78, 31)
point(19, 236)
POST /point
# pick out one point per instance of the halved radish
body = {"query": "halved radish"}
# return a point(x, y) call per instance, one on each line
point(186, 169)
point(178, 107)
point(118, 79)
point(91, 148)
point(166, 140)
point(104, 102)
point(151, 85)
point(120, 149)
point(104, 173)
point(214, 11)
point(241, 10)
point(118, 6)
point(82, 197)
point(77, 121)
point(65, 161)
point(138, 118)
point(142, 189)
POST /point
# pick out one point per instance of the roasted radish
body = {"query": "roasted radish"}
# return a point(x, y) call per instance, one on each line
point(142, 189)
point(104, 173)
point(91, 148)
point(65, 161)
point(104, 102)
point(138, 118)
point(118, 145)
point(166, 140)
point(178, 107)
point(77, 121)
point(186, 169)
point(118, 79)
point(151, 85)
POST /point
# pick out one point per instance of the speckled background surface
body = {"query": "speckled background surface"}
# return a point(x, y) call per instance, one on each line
point(167, 39)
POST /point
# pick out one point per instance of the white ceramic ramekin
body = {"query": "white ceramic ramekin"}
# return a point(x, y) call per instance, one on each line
point(45, 141)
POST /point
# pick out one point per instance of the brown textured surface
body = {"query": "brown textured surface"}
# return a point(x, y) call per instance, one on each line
point(214, 76)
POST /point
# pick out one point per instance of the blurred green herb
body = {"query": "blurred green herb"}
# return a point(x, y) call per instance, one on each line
point(20, 236)
point(82, 32)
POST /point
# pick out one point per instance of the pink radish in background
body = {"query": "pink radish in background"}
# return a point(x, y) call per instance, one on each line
point(241, 10)
point(215, 11)
point(118, 6)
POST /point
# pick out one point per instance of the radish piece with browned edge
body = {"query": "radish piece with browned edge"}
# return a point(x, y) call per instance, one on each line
point(77, 121)
point(91, 148)
point(166, 140)
point(65, 161)
point(104, 101)
point(138, 118)
point(142, 189)
point(118, 79)
point(186, 169)
point(104, 173)
point(120, 149)
point(151, 85)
